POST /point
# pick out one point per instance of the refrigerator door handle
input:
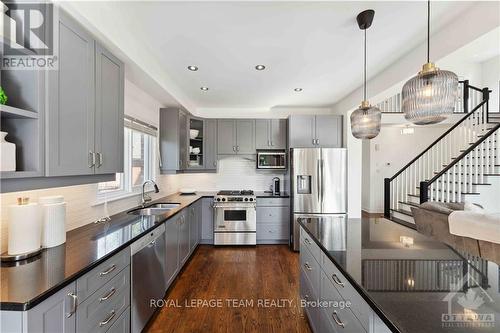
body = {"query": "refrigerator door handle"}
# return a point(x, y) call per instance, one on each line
point(322, 164)
point(318, 179)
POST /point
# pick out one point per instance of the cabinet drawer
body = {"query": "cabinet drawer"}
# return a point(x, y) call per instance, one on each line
point(273, 214)
point(310, 267)
point(307, 295)
point(359, 306)
point(306, 241)
point(96, 278)
point(272, 231)
point(273, 202)
point(340, 318)
point(98, 312)
point(122, 324)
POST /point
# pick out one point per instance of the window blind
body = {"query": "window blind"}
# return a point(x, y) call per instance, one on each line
point(140, 126)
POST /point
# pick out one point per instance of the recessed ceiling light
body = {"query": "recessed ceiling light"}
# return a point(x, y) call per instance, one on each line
point(204, 88)
point(298, 89)
point(260, 67)
point(193, 68)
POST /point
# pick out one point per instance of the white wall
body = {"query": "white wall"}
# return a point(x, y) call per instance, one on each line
point(490, 72)
point(388, 153)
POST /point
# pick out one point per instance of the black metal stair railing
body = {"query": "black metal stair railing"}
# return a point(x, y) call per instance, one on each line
point(453, 143)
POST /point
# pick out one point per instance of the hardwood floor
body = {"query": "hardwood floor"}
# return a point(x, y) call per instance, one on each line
point(244, 274)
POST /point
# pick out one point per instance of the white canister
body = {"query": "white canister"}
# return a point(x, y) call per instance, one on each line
point(25, 229)
point(54, 224)
point(7, 154)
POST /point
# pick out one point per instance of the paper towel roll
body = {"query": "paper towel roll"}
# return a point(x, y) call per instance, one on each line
point(25, 228)
point(54, 224)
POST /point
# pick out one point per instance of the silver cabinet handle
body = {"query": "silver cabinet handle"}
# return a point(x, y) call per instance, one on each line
point(109, 270)
point(234, 148)
point(317, 141)
point(337, 280)
point(337, 320)
point(107, 320)
point(99, 159)
point(237, 148)
point(306, 296)
point(108, 295)
point(307, 266)
point(73, 305)
point(272, 143)
point(215, 164)
point(91, 160)
point(307, 241)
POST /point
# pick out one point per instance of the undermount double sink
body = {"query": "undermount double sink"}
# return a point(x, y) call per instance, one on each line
point(155, 209)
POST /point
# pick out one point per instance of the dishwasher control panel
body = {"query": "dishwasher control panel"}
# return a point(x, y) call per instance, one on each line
point(147, 239)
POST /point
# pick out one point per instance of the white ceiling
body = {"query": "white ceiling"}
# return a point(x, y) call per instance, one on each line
point(316, 46)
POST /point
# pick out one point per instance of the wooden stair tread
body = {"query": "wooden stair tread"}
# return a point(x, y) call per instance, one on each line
point(403, 222)
point(409, 203)
point(403, 211)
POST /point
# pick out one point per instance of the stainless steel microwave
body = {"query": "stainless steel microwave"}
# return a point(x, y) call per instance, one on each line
point(271, 159)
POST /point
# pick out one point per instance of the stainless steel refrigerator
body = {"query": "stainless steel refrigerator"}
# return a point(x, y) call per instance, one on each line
point(318, 185)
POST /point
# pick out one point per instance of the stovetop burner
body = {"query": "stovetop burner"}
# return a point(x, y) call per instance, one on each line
point(233, 192)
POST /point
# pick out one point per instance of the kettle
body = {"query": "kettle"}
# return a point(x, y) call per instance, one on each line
point(276, 186)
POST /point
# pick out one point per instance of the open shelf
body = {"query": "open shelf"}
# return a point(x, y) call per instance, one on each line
point(16, 113)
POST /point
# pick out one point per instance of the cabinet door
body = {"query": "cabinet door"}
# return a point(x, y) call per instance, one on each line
point(71, 110)
point(329, 131)
point(226, 136)
point(183, 237)
point(56, 314)
point(172, 249)
point(207, 221)
point(278, 133)
point(210, 144)
point(193, 226)
point(245, 136)
point(109, 112)
point(183, 141)
point(301, 131)
point(262, 131)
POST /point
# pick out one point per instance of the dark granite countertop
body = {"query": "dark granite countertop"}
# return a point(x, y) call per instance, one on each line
point(413, 289)
point(30, 282)
point(265, 194)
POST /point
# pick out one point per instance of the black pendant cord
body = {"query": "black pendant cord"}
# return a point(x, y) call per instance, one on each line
point(364, 77)
point(428, 30)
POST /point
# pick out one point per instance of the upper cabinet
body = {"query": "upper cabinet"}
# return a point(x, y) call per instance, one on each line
point(84, 127)
point(322, 131)
point(210, 154)
point(270, 133)
point(235, 136)
point(196, 149)
point(173, 140)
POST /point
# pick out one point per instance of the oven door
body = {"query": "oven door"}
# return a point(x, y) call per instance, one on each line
point(271, 160)
point(234, 219)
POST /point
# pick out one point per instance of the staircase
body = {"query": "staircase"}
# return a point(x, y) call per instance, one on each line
point(463, 164)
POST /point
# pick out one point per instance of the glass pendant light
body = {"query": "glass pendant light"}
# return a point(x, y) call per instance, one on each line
point(365, 121)
point(430, 96)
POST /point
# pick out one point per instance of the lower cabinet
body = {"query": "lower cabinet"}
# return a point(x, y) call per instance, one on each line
point(194, 212)
point(207, 221)
point(273, 220)
point(183, 237)
point(321, 281)
point(55, 314)
point(172, 248)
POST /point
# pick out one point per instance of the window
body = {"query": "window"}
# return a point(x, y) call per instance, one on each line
point(139, 165)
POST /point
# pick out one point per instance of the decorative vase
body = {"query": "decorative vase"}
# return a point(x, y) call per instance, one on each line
point(7, 154)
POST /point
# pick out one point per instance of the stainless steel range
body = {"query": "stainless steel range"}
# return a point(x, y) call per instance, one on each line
point(235, 218)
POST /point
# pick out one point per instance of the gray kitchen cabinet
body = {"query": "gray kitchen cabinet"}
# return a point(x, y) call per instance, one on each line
point(109, 76)
point(329, 131)
point(207, 221)
point(183, 237)
point(122, 324)
point(226, 137)
point(172, 248)
point(245, 136)
point(210, 144)
point(55, 314)
point(84, 125)
point(270, 133)
point(195, 160)
point(71, 103)
point(273, 220)
point(310, 131)
point(235, 136)
point(194, 212)
point(173, 140)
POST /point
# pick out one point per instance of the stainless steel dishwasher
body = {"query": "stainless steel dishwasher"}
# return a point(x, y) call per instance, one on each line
point(148, 276)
